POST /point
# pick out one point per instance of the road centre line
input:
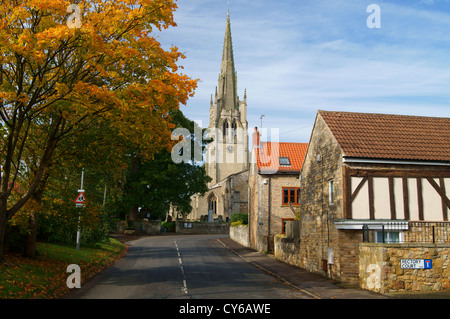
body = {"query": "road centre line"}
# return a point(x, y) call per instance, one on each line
point(184, 288)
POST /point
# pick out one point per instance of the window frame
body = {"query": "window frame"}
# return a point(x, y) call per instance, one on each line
point(331, 192)
point(379, 239)
point(284, 164)
point(289, 189)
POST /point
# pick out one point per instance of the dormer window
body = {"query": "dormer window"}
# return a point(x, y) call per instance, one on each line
point(284, 162)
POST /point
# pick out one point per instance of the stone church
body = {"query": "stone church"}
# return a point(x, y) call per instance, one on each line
point(227, 155)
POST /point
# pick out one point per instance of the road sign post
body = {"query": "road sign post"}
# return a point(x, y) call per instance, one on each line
point(79, 203)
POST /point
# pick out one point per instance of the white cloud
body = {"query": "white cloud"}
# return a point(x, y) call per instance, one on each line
point(295, 57)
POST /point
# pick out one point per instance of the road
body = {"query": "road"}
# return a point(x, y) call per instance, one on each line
point(183, 267)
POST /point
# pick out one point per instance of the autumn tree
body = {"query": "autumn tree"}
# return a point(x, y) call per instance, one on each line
point(64, 68)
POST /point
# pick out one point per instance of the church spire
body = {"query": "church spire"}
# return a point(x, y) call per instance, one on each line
point(227, 78)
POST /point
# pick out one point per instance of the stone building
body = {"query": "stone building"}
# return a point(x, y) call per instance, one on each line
point(274, 188)
point(370, 170)
point(227, 156)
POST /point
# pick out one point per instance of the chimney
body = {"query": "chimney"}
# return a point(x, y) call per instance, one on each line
point(256, 138)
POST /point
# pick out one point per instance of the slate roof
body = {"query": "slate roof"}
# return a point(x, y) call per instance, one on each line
point(390, 137)
point(270, 152)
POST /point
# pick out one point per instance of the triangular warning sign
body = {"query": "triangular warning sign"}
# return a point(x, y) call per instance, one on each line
point(80, 199)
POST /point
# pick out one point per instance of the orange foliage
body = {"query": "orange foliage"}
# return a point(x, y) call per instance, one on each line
point(58, 79)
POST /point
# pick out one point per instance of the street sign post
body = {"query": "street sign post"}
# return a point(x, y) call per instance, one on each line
point(81, 199)
point(80, 202)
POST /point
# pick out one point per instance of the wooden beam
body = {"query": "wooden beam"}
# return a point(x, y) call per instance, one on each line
point(406, 198)
point(358, 188)
point(371, 198)
point(420, 197)
point(346, 192)
point(444, 204)
point(392, 198)
point(411, 173)
point(441, 191)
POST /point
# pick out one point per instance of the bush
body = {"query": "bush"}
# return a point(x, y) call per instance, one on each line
point(169, 226)
point(242, 218)
point(60, 225)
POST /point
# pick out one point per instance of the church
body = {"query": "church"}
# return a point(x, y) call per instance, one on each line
point(227, 154)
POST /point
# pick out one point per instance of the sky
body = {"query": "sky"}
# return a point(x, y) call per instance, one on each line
point(295, 57)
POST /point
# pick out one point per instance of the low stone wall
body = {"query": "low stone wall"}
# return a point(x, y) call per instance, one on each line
point(240, 235)
point(202, 228)
point(380, 268)
point(143, 227)
point(288, 250)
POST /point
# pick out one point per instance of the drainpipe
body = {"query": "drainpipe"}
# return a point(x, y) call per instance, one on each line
point(269, 212)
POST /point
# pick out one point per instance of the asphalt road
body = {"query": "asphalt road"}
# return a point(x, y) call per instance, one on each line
point(183, 267)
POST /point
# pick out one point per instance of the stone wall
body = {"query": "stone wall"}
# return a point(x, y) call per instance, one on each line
point(143, 227)
point(380, 268)
point(322, 164)
point(266, 211)
point(202, 228)
point(287, 247)
point(240, 234)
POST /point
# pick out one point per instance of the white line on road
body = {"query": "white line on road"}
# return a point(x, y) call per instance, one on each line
point(184, 288)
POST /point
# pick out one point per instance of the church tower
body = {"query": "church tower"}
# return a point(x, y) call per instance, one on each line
point(228, 153)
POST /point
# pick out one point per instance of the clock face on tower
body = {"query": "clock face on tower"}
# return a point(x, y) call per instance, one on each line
point(230, 149)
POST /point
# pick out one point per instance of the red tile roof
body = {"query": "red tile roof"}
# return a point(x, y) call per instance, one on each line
point(385, 136)
point(269, 153)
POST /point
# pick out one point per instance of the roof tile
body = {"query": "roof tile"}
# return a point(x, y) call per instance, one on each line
point(269, 153)
point(386, 136)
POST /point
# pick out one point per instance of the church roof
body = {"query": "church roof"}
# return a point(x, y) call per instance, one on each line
point(281, 157)
point(227, 79)
point(390, 137)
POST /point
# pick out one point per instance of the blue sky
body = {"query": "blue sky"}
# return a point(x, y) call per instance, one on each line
point(295, 57)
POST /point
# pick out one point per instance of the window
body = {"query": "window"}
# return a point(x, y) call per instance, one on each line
point(225, 128)
point(291, 195)
point(389, 237)
point(331, 192)
point(284, 161)
point(283, 224)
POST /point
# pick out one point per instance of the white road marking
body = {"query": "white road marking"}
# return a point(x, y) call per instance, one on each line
point(184, 288)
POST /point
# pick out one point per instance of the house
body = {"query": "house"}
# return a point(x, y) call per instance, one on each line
point(274, 189)
point(371, 171)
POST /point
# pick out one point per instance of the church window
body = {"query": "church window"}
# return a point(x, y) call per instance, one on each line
point(291, 195)
point(225, 128)
point(234, 127)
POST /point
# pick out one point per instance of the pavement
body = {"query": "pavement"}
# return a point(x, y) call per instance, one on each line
point(314, 285)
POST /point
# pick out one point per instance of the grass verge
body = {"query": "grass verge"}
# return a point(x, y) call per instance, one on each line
point(45, 277)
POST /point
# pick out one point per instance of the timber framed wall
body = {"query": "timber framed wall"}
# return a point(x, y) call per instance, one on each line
point(405, 194)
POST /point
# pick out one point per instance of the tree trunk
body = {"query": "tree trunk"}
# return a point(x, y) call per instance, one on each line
point(133, 213)
point(2, 238)
point(30, 242)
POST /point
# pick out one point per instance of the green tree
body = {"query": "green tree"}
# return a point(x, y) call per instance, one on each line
point(154, 185)
point(57, 81)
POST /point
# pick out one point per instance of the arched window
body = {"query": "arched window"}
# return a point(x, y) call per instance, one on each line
point(225, 128)
point(234, 127)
